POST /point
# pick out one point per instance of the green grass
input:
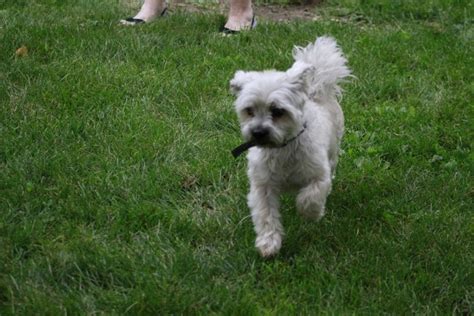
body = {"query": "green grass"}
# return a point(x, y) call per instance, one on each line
point(118, 193)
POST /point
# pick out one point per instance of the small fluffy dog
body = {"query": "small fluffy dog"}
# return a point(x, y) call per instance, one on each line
point(293, 125)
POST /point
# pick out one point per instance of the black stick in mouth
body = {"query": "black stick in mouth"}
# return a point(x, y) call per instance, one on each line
point(236, 152)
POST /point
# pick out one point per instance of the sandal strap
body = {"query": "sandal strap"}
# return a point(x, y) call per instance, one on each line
point(133, 20)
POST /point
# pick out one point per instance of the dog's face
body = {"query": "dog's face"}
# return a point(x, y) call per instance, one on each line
point(269, 105)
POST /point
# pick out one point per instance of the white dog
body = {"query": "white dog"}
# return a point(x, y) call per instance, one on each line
point(293, 126)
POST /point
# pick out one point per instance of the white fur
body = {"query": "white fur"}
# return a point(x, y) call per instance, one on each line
point(307, 93)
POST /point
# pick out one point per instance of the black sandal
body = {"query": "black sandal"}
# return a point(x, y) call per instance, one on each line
point(228, 32)
point(133, 21)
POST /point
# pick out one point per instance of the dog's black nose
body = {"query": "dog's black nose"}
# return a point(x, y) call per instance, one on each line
point(260, 133)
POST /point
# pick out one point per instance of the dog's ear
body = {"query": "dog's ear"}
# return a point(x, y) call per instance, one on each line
point(240, 79)
point(299, 74)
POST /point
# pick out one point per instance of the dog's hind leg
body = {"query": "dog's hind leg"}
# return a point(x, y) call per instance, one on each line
point(311, 199)
point(263, 202)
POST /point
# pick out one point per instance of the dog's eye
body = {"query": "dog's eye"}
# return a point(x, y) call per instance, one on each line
point(277, 112)
point(249, 111)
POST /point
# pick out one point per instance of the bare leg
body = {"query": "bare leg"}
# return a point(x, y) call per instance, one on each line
point(240, 15)
point(150, 10)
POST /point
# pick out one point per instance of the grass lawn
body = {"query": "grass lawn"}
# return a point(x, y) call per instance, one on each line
point(118, 193)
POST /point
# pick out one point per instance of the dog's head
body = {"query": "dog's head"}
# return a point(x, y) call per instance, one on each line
point(270, 104)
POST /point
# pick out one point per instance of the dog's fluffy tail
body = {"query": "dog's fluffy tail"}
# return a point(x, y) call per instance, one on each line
point(327, 67)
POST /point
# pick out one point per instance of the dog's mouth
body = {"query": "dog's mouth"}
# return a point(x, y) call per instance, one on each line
point(263, 142)
point(239, 150)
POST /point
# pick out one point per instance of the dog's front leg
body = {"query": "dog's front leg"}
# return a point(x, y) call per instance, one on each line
point(263, 202)
point(311, 199)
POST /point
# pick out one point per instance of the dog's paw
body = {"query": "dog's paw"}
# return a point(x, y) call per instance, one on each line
point(310, 202)
point(269, 244)
point(309, 207)
point(314, 213)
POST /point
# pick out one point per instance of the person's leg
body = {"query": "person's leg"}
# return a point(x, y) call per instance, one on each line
point(240, 15)
point(150, 10)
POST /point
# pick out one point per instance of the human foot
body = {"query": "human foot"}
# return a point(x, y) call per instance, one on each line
point(150, 10)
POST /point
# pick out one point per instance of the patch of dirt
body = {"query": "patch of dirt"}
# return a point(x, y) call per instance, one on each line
point(263, 12)
point(287, 13)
